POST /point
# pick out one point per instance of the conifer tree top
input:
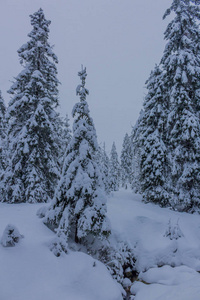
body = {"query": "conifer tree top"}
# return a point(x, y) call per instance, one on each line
point(81, 90)
point(38, 20)
point(39, 39)
point(39, 62)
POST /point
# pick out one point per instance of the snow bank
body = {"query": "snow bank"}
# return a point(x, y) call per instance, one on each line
point(167, 252)
point(168, 283)
point(31, 271)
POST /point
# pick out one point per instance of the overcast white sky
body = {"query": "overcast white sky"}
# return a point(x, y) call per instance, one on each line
point(119, 41)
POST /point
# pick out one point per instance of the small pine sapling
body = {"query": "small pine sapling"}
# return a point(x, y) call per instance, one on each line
point(11, 236)
point(173, 231)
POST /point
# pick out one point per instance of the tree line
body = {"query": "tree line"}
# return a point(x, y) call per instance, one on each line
point(161, 157)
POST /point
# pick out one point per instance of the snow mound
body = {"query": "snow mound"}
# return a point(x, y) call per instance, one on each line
point(30, 271)
point(167, 283)
point(168, 275)
point(11, 236)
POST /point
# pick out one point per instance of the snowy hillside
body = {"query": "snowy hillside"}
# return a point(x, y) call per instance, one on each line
point(30, 271)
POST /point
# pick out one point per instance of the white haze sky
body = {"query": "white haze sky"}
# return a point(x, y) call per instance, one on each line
point(119, 41)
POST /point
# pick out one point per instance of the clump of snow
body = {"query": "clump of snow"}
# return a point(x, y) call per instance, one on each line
point(126, 282)
point(10, 236)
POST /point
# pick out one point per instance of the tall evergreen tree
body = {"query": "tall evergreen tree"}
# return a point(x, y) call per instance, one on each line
point(126, 161)
point(33, 170)
point(181, 63)
point(79, 207)
point(114, 169)
point(152, 141)
point(170, 147)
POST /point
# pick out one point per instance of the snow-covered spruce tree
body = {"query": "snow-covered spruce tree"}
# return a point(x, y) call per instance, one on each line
point(32, 170)
point(181, 63)
point(2, 134)
point(103, 162)
point(114, 169)
point(152, 142)
point(126, 161)
point(79, 206)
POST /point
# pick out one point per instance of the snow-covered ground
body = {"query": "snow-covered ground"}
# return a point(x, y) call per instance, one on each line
point(144, 226)
point(30, 271)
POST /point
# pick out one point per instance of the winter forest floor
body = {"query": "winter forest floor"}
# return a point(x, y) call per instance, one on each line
point(168, 267)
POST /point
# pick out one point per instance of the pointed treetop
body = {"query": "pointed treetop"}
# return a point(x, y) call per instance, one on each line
point(82, 74)
point(40, 26)
point(39, 16)
point(81, 90)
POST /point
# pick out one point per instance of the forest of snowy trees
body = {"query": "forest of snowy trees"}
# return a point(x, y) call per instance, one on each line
point(35, 139)
point(167, 136)
point(43, 160)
